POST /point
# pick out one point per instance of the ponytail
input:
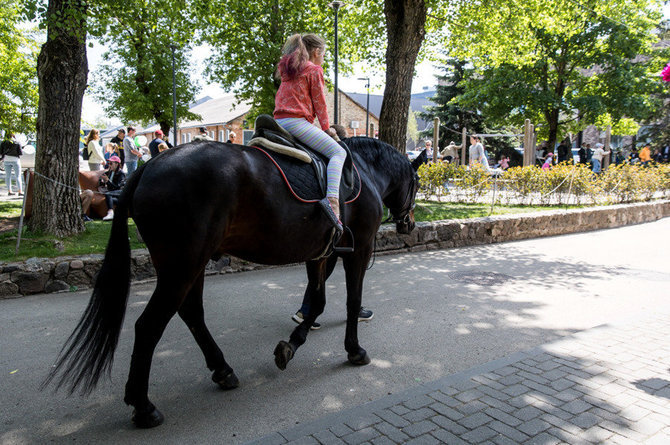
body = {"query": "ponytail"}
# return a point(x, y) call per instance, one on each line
point(296, 52)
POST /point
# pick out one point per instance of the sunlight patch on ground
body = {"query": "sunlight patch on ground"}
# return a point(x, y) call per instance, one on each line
point(384, 364)
point(168, 353)
point(274, 286)
point(332, 403)
point(138, 304)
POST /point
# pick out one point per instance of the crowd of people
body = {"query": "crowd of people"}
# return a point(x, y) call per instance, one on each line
point(545, 158)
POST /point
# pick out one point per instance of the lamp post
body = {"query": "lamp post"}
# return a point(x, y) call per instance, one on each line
point(174, 99)
point(367, 106)
point(336, 6)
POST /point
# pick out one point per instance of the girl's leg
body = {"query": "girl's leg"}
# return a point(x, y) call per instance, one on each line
point(319, 141)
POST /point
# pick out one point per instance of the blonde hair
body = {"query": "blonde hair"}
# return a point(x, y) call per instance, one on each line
point(89, 136)
point(296, 52)
point(162, 147)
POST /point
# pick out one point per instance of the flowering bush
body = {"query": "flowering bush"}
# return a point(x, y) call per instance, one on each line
point(563, 184)
point(665, 74)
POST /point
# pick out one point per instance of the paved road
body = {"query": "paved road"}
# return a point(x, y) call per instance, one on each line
point(436, 314)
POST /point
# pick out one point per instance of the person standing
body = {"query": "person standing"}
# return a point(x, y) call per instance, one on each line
point(582, 155)
point(95, 156)
point(153, 145)
point(476, 151)
point(10, 152)
point(202, 135)
point(645, 155)
point(131, 152)
point(597, 158)
point(118, 141)
point(563, 150)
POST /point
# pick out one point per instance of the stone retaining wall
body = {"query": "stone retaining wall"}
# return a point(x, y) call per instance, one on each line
point(38, 275)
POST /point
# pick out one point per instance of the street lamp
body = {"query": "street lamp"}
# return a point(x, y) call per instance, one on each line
point(174, 99)
point(336, 4)
point(367, 106)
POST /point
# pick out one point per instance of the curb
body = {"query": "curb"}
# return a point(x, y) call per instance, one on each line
point(64, 274)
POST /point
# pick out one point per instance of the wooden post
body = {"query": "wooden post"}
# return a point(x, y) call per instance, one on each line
point(436, 138)
point(608, 139)
point(23, 211)
point(464, 154)
point(527, 142)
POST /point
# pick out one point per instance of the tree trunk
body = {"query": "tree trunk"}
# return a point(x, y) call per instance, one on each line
point(405, 24)
point(62, 71)
point(552, 119)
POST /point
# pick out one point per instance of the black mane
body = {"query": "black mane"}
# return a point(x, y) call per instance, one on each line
point(379, 155)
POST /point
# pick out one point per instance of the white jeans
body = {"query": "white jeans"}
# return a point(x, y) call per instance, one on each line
point(13, 170)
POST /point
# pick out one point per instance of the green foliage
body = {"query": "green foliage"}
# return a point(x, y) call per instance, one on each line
point(247, 38)
point(18, 82)
point(548, 59)
point(135, 80)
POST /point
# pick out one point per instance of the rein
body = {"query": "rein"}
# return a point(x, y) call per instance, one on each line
point(407, 208)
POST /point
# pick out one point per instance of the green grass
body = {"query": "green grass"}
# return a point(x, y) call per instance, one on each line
point(10, 209)
point(434, 211)
point(94, 239)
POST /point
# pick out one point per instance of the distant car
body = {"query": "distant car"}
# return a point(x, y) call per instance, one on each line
point(412, 154)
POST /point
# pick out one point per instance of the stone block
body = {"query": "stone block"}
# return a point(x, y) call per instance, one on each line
point(56, 286)
point(78, 277)
point(29, 282)
point(77, 264)
point(8, 289)
point(61, 270)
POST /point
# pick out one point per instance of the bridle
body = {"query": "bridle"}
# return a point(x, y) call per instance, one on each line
point(403, 215)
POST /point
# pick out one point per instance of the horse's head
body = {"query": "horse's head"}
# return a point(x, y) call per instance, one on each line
point(402, 209)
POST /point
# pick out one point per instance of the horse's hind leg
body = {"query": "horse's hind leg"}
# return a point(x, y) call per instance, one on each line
point(315, 296)
point(193, 314)
point(149, 328)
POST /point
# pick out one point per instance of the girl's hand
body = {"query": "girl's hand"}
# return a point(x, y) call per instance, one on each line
point(332, 133)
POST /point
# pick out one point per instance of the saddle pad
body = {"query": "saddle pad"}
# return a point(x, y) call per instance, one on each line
point(301, 180)
point(283, 149)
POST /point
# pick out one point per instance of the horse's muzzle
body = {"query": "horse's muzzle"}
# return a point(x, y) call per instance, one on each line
point(407, 224)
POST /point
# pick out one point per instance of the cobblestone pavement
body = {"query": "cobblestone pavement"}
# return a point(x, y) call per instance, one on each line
point(609, 384)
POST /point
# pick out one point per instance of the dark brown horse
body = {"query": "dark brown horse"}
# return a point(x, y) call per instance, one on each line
point(206, 199)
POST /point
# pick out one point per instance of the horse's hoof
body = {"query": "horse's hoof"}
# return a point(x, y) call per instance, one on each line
point(283, 354)
point(225, 380)
point(148, 419)
point(360, 359)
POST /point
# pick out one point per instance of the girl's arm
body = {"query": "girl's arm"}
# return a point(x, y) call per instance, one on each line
point(316, 90)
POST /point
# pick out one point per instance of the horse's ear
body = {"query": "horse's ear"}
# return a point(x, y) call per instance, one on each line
point(420, 160)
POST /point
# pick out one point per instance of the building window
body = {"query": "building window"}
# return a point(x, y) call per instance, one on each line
point(221, 139)
point(183, 138)
point(189, 137)
point(211, 134)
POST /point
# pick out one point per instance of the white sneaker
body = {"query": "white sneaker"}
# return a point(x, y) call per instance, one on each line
point(110, 216)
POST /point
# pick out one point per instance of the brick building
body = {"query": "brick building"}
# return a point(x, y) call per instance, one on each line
point(220, 117)
point(351, 114)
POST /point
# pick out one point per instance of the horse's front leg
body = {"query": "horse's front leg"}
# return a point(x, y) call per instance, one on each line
point(315, 297)
point(355, 266)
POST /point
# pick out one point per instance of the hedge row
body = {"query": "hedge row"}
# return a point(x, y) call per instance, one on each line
point(562, 184)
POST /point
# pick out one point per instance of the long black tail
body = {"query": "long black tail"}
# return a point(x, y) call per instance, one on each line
point(89, 351)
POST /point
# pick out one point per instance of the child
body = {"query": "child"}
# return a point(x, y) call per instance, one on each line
point(301, 98)
point(547, 162)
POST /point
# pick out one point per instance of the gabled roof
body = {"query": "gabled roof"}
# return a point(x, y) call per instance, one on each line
point(417, 103)
point(212, 111)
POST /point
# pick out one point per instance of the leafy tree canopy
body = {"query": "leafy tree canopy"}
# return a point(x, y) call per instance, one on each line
point(135, 80)
point(247, 38)
point(553, 60)
point(18, 81)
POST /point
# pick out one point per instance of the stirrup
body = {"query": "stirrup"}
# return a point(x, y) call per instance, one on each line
point(325, 206)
